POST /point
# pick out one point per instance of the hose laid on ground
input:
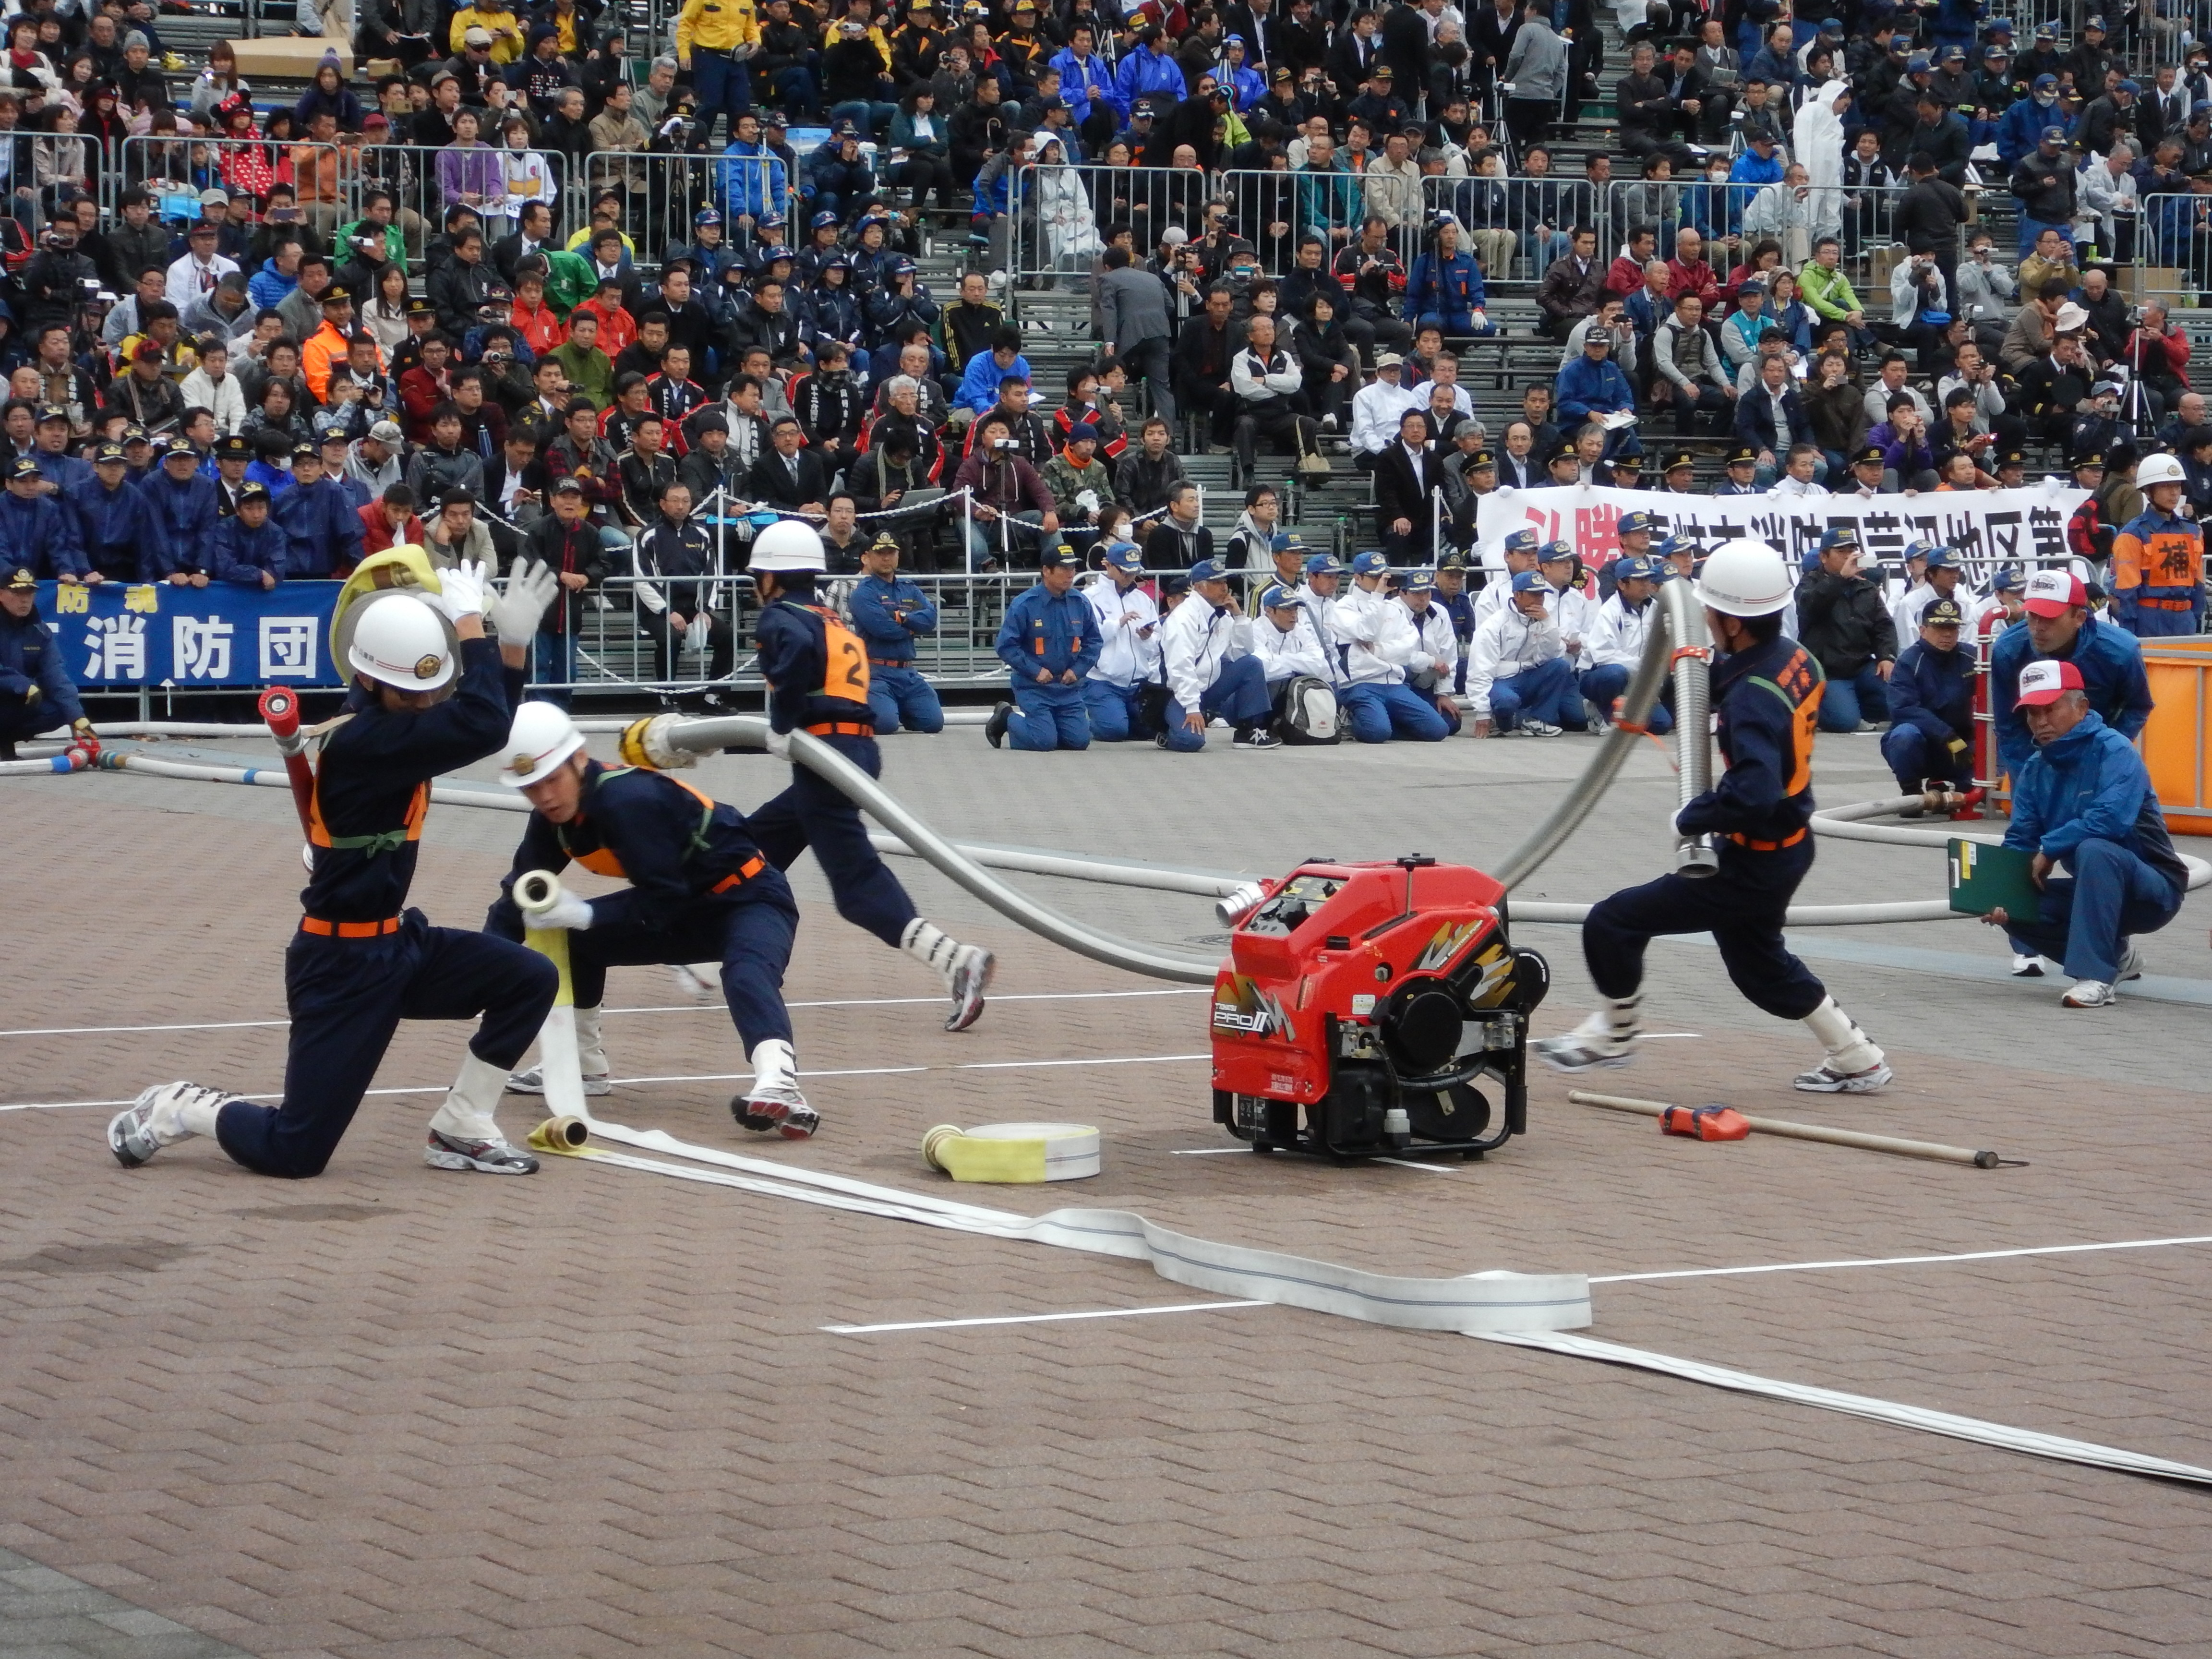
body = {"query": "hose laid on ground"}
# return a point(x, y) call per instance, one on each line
point(1848, 823)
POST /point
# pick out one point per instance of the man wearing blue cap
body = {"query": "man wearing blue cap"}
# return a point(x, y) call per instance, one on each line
point(1302, 673)
point(1519, 554)
point(1129, 646)
point(2110, 118)
point(2021, 125)
point(1931, 705)
point(2004, 606)
point(890, 613)
point(1050, 642)
point(2044, 181)
point(1517, 676)
point(1375, 643)
point(1439, 663)
point(1615, 644)
point(1939, 575)
point(1205, 655)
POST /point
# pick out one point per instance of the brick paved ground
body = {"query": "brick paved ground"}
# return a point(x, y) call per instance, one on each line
point(397, 1412)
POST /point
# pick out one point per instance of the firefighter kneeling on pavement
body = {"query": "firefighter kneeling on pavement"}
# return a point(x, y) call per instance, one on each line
point(1206, 651)
point(1302, 672)
point(890, 613)
point(1766, 694)
point(1050, 642)
point(2084, 802)
point(36, 693)
point(1931, 706)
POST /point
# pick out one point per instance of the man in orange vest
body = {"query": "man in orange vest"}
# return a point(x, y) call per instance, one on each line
point(2158, 558)
point(327, 346)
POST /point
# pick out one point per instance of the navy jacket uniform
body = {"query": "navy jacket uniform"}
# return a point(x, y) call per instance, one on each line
point(30, 660)
point(38, 535)
point(186, 513)
point(1931, 708)
point(242, 555)
point(322, 530)
point(1056, 634)
point(118, 531)
point(1766, 701)
point(818, 678)
point(890, 616)
point(361, 960)
point(700, 889)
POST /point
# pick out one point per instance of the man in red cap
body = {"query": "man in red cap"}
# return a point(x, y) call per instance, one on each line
point(2059, 625)
point(2084, 802)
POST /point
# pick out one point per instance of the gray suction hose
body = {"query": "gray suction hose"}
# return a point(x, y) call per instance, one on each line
point(751, 731)
point(1694, 855)
point(1685, 624)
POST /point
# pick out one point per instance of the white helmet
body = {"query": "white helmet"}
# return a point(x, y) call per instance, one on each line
point(400, 642)
point(2158, 469)
point(788, 544)
point(542, 738)
point(1744, 578)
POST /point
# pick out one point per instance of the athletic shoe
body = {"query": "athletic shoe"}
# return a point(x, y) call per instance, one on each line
point(2131, 966)
point(494, 1157)
point(1545, 729)
point(1258, 738)
point(781, 1108)
point(1826, 1079)
point(971, 977)
point(151, 1121)
point(532, 1082)
point(1328, 424)
point(1580, 1051)
point(2028, 967)
point(994, 729)
point(1517, 732)
point(2088, 993)
point(1863, 728)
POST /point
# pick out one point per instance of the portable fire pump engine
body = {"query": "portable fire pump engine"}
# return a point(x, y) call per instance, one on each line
point(1360, 1004)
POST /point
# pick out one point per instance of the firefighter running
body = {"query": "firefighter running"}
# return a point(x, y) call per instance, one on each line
point(1766, 697)
point(361, 960)
point(700, 890)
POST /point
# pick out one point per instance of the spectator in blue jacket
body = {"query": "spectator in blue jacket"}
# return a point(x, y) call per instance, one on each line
point(890, 613)
point(2059, 625)
point(753, 179)
point(249, 546)
point(1152, 68)
point(117, 529)
point(843, 182)
point(2019, 129)
point(1086, 81)
point(1931, 705)
point(1050, 643)
point(1593, 383)
point(322, 527)
point(37, 532)
point(1445, 290)
point(2084, 803)
point(979, 383)
point(185, 505)
point(36, 693)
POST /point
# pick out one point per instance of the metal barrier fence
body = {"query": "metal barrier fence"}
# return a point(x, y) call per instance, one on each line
point(326, 176)
point(2171, 254)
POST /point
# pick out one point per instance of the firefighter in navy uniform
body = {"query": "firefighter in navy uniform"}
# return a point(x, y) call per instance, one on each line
point(700, 892)
point(1766, 697)
point(817, 671)
point(36, 693)
point(361, 960)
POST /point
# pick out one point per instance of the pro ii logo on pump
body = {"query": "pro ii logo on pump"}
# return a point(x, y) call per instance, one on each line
point(1242, 1006)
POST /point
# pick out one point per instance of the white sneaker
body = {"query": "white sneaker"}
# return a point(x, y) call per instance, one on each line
point(1590, 1047)
point(1517, 731)
point(1545, 729)
point(532, 1082)
point(2027, 967)
point(2088, 993)
point(155, 1120)
point(495, 1156)
point(2131, 966)
point(1826, 1079)
point(773, 1102)
point(971, 977)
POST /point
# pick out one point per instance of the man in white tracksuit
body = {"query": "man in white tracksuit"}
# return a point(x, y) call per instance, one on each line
point(1375, 642)
point(1129, 626)
point(1286, 642)
point(1615, 644)
point(1206, 652)
point(1434, 664)
point(1520, 555)
point(1517, 676)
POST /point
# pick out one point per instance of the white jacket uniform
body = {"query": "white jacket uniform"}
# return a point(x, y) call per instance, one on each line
point(1617, 636)
point(1259, 381)
point(1505, 645)
point(1377, 410)
point(1436, 644)
point(1195, 641)
point(1376, 634)
point(1575, 615)
point(1285, 656)
point(1128, 655)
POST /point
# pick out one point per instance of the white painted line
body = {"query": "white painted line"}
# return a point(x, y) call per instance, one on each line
point(706, 1076)
point(1641, 1036)
point(1040, 1319)
point(672, 1008)
point(1903, 1261)
point(1207, 1151)
point(1416, 1164)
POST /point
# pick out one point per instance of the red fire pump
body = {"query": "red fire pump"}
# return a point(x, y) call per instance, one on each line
point(1367, 999)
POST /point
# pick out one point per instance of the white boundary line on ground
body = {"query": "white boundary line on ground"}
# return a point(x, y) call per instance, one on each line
point(1901, 1261)
point(1039, 1319)
point(672, 1008)
point(710, 1077)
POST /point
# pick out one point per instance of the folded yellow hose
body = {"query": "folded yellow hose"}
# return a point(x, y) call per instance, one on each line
point(1013, 1153)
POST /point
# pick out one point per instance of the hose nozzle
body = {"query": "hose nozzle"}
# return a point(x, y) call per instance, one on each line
point(1233, 908)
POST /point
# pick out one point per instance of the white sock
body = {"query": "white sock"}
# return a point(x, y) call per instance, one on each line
point(1849, 1048)
point(466, 1111)
point(927, 942)
point(591, 1052)
point(195, 1116)
point(775, 1066)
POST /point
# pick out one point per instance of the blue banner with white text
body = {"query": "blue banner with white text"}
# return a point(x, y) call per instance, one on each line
point(114, 634)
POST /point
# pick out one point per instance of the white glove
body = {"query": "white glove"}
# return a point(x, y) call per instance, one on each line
point(461, 589)
point(566, 911)
point(516, 613)
point(779, 744)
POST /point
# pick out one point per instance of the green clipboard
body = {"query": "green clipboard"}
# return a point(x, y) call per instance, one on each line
point(1985, 878)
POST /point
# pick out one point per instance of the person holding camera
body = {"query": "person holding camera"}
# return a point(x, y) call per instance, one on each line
point(1004, 487)
point(1919, 300)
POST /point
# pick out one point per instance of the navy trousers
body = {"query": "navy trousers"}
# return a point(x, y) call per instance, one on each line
point(1239, 695)
point(2086, 921)
point(1741, 905)
point(749, 932)
point(814, 813)
point(901, 698)
point(1845, 702)
point(1606, 685)
point(1914, 757)
point(1116, 714)
point(347, 997)
point(1048, 717)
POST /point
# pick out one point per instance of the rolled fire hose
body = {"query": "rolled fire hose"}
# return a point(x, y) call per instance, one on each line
point(1013, 1153)
point(1847, 823)
point(559, 1067)
point(1788, 1130)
